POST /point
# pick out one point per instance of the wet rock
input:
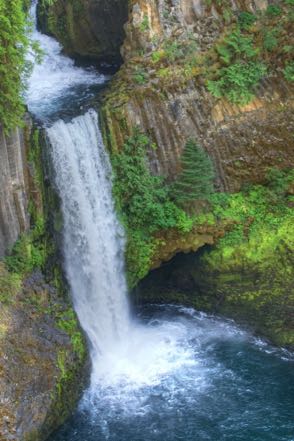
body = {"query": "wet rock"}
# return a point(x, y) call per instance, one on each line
point(41, 374)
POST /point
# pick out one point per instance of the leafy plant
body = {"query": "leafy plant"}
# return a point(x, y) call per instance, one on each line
point(289, 71)
point(235, 45)
point(237, 81)
point(142, 197)
point(274, 10)
point(144, 204)
point(270, 40)
point(173, 50)
point(145, 24)
point(246, 20)
point(28, 252)
point(140, 77)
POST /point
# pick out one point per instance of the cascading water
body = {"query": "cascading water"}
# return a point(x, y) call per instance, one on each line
point(170, 373)
point(93, 238)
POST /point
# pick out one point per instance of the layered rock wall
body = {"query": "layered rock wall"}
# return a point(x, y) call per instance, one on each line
point(14, 218)
point(243, 141)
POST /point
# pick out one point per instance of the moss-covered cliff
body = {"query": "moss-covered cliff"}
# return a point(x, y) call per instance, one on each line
point(42, 349)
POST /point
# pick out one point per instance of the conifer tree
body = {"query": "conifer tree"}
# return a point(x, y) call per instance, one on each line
point(195, 182)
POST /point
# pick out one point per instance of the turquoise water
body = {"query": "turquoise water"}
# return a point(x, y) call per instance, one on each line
point(213, 382)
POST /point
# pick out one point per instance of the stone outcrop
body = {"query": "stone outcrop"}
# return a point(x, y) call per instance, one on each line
point(242, 141)
point(86, 28)
point(14, 218)
point(41, 376)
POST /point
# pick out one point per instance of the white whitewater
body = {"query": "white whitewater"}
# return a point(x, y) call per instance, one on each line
point(93, 239)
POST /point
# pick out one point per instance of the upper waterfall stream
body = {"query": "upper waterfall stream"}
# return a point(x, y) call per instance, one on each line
point(167, 373)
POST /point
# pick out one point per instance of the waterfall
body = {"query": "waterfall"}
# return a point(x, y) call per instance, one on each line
point(93, 238)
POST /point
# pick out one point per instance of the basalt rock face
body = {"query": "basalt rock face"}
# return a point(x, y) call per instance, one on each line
point(86, 28)
point(172, 105)
point(14, 217)
point(40, 374)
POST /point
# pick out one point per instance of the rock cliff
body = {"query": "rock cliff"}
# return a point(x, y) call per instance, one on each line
point(14, 218)
point(42, 350)
point(86, 28)
point(162, 90)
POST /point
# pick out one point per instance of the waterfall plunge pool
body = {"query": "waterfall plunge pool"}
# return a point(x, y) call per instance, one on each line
point(188, 376)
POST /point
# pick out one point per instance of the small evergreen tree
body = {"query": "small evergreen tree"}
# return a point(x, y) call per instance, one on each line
point(196, 179)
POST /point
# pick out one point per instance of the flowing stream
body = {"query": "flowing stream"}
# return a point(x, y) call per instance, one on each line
point(165, 373)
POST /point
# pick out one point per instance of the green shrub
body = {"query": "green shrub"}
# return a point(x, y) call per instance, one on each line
point(237, 82)
point(140, 77)
point(173, 50)
point(28, 252)
point(246, 19)
point(270, 40)
point(289, 71)
point(145, 24)
point(273, 10)
point(144, 204)
point(9, 284)
point(262, 219)
point(236, 45)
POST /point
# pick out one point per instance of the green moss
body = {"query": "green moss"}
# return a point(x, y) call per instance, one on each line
point(67, 321)
point(10, 284)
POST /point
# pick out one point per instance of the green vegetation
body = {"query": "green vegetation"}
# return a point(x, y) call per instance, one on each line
point(263, 218)
point(246, 19)
point(145, 24)
point(289, 71)
point(144, 203)
point(196, 180)
point(14, 68)
point(244, 71)
point(237, 82)
point(29, 252)
point(10, 284)
point(67, 321)
point(250, 48)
